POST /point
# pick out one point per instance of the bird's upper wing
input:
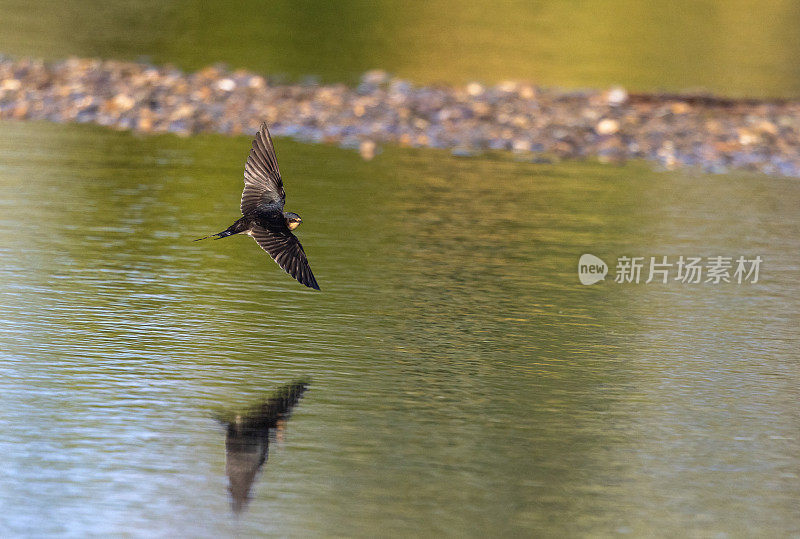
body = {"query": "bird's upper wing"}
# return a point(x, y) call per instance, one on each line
point(262, 179)
point(285, 249)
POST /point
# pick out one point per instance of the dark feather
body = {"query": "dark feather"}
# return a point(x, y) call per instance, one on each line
point(285, 249)
point(263, 185)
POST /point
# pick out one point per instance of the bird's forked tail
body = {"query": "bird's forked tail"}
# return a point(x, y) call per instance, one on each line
point(242, 225)
point(217, 236)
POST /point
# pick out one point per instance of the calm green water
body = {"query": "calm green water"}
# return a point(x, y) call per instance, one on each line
point(463, 383)
point(736, 47)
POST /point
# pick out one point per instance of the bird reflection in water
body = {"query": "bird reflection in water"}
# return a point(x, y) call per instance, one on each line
point(249, 434)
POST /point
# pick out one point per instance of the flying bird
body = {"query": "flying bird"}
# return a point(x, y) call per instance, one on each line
point(263, 217)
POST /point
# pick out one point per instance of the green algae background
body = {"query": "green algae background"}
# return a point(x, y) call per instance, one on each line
point(737, 48)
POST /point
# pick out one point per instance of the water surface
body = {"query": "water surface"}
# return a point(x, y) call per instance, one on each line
point(463, 382)
point(724, 47)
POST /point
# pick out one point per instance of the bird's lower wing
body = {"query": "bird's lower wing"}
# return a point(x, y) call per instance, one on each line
point(285, 249)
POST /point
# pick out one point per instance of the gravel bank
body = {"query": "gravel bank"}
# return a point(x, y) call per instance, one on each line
point(714, 134)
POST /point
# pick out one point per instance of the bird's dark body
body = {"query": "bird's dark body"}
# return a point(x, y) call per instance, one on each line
point(263, 217)
point(272, 221)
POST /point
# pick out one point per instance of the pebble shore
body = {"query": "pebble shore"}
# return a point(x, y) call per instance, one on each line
point(712, 134)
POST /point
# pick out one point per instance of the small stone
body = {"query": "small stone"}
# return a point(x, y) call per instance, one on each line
point(226, 85)
point(210, 72)
point(11, 84)
point(400, 85)
point(680, 108)
point(521, 145)
point(616, 96)
point(256, 82)
point(746, 138)
point(145, 124)
point(375, 77)
point(420, 123)
point(714, 127)
point(527, 92)
point(475, 89)
point(768, 127)
point(123, 102)
point(507, 86)
point(481, 110)
point(367, 150)
point(20, 111)
point(182, 112)
point(607, 126)
point(82, 102)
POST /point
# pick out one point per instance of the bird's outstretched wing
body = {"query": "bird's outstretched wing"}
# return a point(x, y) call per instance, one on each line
point(262, 179)
point(285, 249)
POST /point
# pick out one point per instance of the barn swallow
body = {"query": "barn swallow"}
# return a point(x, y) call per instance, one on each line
point(263, 217)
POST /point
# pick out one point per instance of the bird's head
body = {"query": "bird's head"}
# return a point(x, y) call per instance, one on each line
point(292, 220)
